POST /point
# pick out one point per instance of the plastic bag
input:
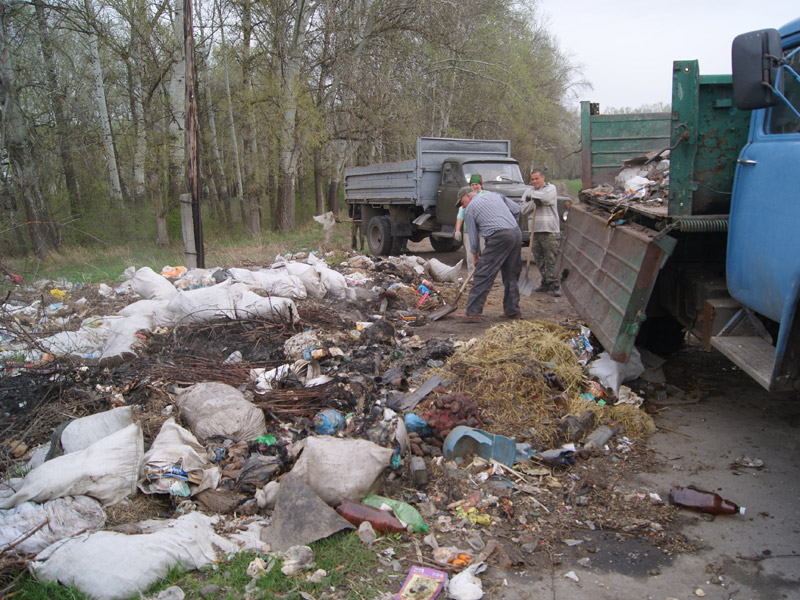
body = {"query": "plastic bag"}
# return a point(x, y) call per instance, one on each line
point(612, 373)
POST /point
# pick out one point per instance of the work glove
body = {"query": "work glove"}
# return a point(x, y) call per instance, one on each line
point(457, 236)
point(537, 202)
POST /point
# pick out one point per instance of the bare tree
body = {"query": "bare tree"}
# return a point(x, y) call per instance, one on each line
point(43, 230)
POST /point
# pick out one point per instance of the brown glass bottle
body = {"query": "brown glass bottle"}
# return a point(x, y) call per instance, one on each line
point(703, 501)
point(357, 513)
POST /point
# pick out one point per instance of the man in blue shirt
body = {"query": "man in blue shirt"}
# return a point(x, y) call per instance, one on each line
point(494, 217)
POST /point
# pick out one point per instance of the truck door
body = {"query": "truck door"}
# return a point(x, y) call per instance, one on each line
point(763, 264)
point(446, 195)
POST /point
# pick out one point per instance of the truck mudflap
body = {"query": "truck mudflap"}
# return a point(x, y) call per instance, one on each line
point(610, 273)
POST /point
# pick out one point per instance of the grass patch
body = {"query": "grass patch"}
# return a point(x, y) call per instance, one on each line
point(101, 263)
point(353, 571)
point(573, 186)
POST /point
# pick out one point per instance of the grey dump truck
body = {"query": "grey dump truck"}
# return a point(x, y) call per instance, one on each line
point(415, 199)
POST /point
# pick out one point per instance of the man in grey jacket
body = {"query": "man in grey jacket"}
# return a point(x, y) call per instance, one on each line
point(546, 230)
point(494, 217)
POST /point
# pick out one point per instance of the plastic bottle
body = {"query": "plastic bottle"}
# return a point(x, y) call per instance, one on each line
point(703, 501)
point(381, 520)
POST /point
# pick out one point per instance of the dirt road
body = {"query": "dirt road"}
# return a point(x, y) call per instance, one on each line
point(719, 416)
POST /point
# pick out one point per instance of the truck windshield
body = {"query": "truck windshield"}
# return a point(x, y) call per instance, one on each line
point(495, 172)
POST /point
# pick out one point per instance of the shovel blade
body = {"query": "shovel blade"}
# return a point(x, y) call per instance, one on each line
point(442, 311)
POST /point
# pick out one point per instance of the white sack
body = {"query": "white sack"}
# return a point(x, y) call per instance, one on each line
point(311, 278)
point(335, 283)
point(65, 517)
point(151, 285)
point(202, 305)
point(324, 459)
point(612, 374)
point(82, 433)
point(106, 470)
point(175, 444)
point(277, 282)
point(107, 565)
point(216, 409)
point(442, 272)
point(122, 338)
point(273, 308)
point(87, 341)
point(142, 307)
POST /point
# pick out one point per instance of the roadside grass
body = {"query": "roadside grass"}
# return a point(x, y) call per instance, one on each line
point(573, 186)
point(95, 264)
point(353, 571)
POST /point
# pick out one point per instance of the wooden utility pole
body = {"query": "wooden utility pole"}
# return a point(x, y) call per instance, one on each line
point(192, 143)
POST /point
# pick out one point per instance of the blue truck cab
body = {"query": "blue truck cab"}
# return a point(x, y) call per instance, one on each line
point(719, 255)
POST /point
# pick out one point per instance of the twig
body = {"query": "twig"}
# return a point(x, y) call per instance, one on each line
point(761, 557)
point(25, 537)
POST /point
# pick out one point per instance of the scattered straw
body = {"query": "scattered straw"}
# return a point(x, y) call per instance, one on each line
point(514, 373)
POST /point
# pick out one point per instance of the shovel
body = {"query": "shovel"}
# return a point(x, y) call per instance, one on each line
point(445, 310)
point(525, 283)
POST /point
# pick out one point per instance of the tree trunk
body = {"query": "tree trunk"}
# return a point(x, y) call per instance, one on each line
point(219, 169)
point(248, 131)
point(138, 109)
point(177, 103)
point(43, 231)
point(57, 99)
point(239, 185)
point(105, 122)
point(319, 182)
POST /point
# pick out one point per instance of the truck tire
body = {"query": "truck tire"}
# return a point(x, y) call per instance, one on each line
point(379, 235)
point(442, 244)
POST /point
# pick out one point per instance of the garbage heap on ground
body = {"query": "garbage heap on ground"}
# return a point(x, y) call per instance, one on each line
point(266, 409)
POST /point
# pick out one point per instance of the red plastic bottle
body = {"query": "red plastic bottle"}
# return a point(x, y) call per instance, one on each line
point(357, 513)
point(703, 501)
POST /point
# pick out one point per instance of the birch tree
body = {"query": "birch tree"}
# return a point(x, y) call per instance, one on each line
point(43, 231)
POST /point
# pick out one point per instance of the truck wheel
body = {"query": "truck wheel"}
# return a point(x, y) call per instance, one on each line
point(379, 235)
point(662, 335)
point(442, 244)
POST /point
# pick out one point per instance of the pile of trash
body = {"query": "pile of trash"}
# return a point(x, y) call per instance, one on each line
point(642, 180)
point(234, 404)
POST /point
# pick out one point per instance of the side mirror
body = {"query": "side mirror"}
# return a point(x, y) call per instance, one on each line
point(755, 58)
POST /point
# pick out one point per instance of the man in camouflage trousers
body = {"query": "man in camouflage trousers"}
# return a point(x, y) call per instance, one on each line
point(546, 230)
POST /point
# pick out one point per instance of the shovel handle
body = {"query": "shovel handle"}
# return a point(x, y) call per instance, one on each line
point(530, 238)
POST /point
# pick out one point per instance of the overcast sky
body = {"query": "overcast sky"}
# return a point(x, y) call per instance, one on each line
point(627, 47)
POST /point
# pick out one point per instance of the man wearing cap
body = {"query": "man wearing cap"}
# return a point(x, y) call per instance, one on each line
point(494, 217)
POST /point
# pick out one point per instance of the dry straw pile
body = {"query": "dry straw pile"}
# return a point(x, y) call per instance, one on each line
point(525, 378)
